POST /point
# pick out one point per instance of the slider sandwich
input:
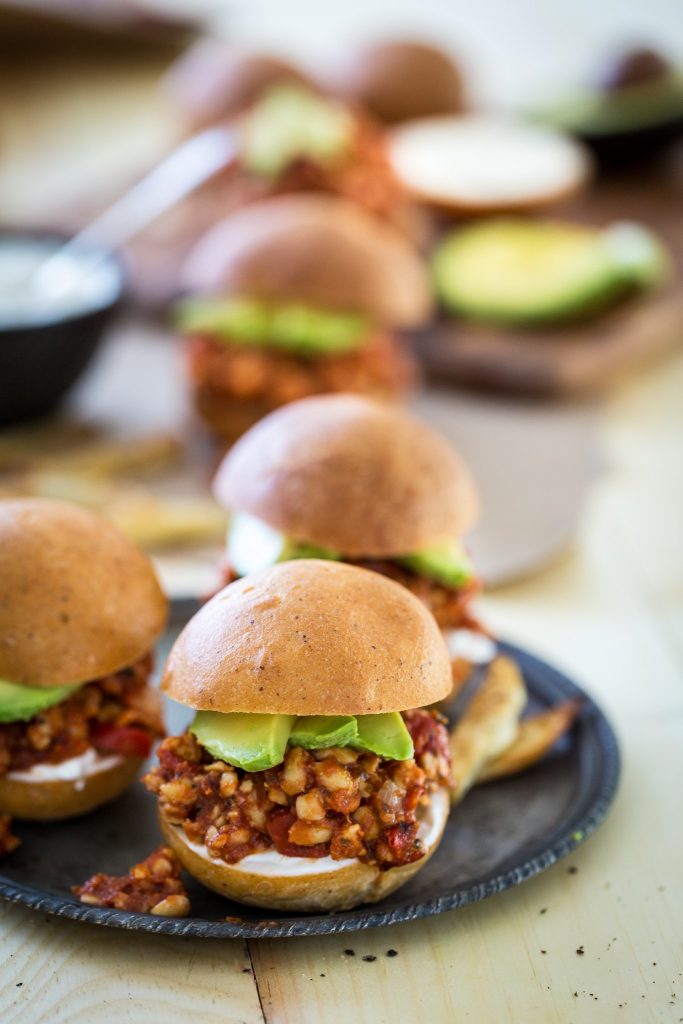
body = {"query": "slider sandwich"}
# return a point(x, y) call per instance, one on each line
point(310, 778)
point(80, 611)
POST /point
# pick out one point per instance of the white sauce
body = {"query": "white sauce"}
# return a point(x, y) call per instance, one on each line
point(473, 647)
point(74, 769)
point(485, 158)
point(252, 544)
point(80, 287)
point(275, 865)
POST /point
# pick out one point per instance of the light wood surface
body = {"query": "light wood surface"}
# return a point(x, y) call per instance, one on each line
point(611, 613)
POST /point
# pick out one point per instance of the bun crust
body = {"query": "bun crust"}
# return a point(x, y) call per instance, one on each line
point(314, 249)
point(78, 600)
point(62, 798)
point(341, 889)
point(398, 81)
point(310, 638)
point(352, 475)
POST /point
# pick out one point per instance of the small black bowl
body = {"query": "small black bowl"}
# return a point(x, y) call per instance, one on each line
point(42, 354)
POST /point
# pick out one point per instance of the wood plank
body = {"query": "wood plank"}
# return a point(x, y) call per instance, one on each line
point(61, 971)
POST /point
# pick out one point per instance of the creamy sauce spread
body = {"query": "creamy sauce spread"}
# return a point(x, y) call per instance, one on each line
point(252, 544)
point(473, 647)
point(74, 769)
point(272, 864)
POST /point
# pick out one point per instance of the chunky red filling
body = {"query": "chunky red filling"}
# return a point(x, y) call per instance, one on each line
point(153, 886)
point(119, 714)
point(337, 802)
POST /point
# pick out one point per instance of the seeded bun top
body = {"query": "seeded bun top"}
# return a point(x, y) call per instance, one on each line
point(352, 475)
point(78, 600)
point(316, 249)
point(310, 638)
point(400, 80)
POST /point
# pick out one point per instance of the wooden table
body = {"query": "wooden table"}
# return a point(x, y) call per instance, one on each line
point(598, 938)
point(595, 939)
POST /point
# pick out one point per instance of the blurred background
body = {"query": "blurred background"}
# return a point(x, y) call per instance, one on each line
point(528, 153)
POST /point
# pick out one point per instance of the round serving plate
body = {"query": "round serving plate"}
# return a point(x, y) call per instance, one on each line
point(502, 834)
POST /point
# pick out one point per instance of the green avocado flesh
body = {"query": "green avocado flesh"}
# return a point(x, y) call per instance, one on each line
point(598, 112)
point(251, 742)
point(518, 271)
point(299, 549)
point(256, 742)
point(447, 564)
point(21, 703)
point(300, 330)
point(290, 123)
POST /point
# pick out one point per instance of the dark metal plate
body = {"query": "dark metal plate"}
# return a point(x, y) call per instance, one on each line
point(501, 835)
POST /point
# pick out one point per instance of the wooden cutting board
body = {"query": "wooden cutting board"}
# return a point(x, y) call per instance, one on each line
point(590, 355)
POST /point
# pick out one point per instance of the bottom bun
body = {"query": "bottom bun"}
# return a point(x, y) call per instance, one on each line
point(309, 887)
point(55, 799)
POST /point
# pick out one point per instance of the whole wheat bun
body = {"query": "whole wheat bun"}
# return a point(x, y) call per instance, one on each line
point(57, 799)
point(212, 81)
point(352, 475)
point(341, 889)
point(316, 249)
point(78, 600)
point(310, 637)
point(400, 80)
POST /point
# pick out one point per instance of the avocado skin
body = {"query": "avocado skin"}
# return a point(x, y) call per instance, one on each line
point(253, 742)
point(22, 703)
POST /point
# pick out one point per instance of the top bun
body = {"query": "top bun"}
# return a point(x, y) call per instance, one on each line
point(78, 600)
point(352, 475)
point(315, 249)
point(211, 81)
point(399, 81)
point(310, 638)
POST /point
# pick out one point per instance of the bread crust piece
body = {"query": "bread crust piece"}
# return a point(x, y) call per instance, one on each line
point(350, 474)
point(400, 80)
point(310, 637)
point(78, 600)
point(58, 799)
point(340, 889)
point(315, 249)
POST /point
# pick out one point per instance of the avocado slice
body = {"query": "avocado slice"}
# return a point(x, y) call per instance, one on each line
point(385, 735)
point(250, 741)
point(518, 271)
point(297, 329)
point(300, 549)
point(291, 123)
point(21, 703)
point(445, 563)
point(316, 731)
point(629, 108)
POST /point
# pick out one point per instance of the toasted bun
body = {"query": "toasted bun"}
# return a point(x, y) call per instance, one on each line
point(339, 889)
point(61, 798)
point(315, 249)
point(212, 81)
point(310, 638)
point(352, 475)
point(398, 81)
point(78, 600)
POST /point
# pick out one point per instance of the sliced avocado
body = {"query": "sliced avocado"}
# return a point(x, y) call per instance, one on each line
point(289, 123)
point(637, 253)
point(385, 735)
point(300, 549)
point(300, 330)
point(629, 108)
point(315, 731)
point(446, 564)
point(21, 703)
point(252, 742)
point(517, 271)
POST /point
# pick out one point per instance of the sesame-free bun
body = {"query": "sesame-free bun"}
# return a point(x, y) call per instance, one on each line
point(212, 81)
point(339, 889)
point(400, 80)
point(352, 475)
point(56, 799)
point(315, 249)
point(78, 600)
point(310, 637)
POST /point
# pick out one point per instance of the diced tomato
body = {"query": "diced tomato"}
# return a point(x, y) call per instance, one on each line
point(128, 741)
